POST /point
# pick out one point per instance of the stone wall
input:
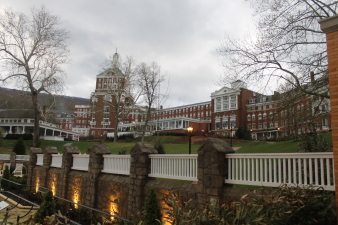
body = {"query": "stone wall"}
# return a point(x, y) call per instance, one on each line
point(77, 190)
point(125, 195)
point(113, 194)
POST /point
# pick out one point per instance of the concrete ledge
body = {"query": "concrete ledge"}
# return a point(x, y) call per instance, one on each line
point(329, 24)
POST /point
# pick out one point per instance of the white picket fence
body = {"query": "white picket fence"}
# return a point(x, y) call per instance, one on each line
point(56, 160)
point(180, 166)
point(5, 157)
point(270, 170)
point(39, 159)
point(80, 162)
point(116, 164)
point(22, 157)
point(276, 169)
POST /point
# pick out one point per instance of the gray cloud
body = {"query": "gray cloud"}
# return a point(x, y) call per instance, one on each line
point(181, 36)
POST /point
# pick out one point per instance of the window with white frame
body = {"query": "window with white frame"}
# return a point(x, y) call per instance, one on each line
point(218, 104)
point(225, 124)
point(218, 124)
point(225, 103)
point(233, 102)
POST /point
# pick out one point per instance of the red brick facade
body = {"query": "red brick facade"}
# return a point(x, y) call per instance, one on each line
point(330, 27)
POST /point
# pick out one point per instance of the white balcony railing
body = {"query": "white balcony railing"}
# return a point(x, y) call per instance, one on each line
point(5, 157)
point(181, 167)
point(281, 168)
point(116, 164)
point(80, 162)
point(56, 160)
point(22, 157)
point(39, 159)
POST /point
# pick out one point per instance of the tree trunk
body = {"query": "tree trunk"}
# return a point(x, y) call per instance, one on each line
point(146, 123)
point(36, 129)
point(115, 131)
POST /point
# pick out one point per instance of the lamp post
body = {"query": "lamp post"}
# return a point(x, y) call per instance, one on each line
point(190, 129)
point(278, 134)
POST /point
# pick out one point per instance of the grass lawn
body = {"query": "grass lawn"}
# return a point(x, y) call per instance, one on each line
point(267, 147)
point(172, 145)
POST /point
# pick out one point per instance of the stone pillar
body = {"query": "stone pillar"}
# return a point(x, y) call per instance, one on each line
point(67, 163)
point(47, 160)
point(330, 27)
point(12, 161)
point(95, 167)
point(31, 165)
point(212, 169)
point(139, 170)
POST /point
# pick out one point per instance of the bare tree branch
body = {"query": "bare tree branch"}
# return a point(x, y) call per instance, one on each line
point(32, 50)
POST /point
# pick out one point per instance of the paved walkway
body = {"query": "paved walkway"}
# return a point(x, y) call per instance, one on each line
point(14, 213)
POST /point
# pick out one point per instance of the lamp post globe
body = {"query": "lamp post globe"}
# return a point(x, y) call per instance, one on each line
point(190, 130)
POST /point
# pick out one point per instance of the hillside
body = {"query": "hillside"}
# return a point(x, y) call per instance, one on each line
point(12, 99)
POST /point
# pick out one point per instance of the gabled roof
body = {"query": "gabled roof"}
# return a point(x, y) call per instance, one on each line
point(111, 72)
point(224, 90)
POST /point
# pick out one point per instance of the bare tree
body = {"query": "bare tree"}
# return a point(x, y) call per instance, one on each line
point(289, 45)
point(124, 94)
point(149, 79)
point(32, 50)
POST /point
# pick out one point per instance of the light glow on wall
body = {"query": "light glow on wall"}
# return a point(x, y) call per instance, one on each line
point(37, 184)
point(167, 201)
point(76, 198)
point(113, 206)
point(53, 184)
point(76, 191)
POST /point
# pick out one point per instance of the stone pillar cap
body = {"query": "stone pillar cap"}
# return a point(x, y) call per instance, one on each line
point(51, 150)
point(36, 150)
point(329, 25)
point(216, 144)
point(99, 149)
point(69, 148)
point(143, 148)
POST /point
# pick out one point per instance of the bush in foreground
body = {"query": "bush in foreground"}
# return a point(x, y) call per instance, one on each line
point(284, 206)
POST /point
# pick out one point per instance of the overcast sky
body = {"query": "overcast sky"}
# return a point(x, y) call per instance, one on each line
point(182, 36)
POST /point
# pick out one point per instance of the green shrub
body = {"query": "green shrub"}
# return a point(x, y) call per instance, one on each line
point(160, 148)
point(46, 209)
point(243, 133)
point(314, 142)
point(19, 147)
point(5, 184)
point(152, 210)
point(1, 137)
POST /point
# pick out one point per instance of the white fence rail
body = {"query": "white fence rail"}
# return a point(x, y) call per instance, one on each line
point(281, 168)
point(22, 157)
point(80, 162)
point(56, 160)
point(181, 166)
point(39, 159)
point(116, 164)
point(5, 157)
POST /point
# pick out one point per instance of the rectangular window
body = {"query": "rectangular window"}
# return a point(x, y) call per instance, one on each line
point(225, 103)
point(218, 104)
point(233, 102)
point(225, 123)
